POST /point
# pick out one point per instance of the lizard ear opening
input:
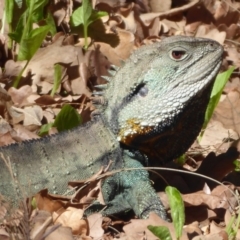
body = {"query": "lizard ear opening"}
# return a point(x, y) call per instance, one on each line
point(141, 90)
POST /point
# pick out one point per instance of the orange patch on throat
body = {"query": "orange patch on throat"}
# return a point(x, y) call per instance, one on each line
point(131, 130)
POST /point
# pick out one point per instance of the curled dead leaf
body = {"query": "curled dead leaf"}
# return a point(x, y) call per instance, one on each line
point(72, 218)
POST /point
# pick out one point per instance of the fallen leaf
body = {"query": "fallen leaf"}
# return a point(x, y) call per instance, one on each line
point(72, 218)
point(95, 226)
point(137, 228)
point(32, 115)
point(19, 96)
point(61, 233)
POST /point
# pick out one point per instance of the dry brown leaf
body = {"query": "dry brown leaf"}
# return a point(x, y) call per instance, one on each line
point(138, 227)
point(4, 127)
point(79, 80)
point(3, 208)
point(206, 189)
point(81, 42)
point(216, 236)
point(227, 217)
point(205, 32)
point(48, 203)
point(161, 6)
point(99, 64)
point(21, 133)
point(199, 213)
point(201, 198)
point(233, 55)
point(19, 96)
point(224, 191)
point(12, 69)
point(6, 139)
point(215, 228)
point(233, 85)
point(193, 229)
point(45, 86)
point(61, 233)
point(59, 15)
point(47, 57)
point(164, 198)
point(79, 88)
point(127, 17)
point(173, 11)
point(213, 140)
point(41, 220)
point(32, 115)
point(89, 189)
point(228, 111)
point(5, 133)
point(177, 26)
point(233, 31)
point(95, 226)
point(72, 218)
point(225, 13)
point(46, 100)
point(122, 51)
point(49, 115)
point(4, 235)
point(16, 116)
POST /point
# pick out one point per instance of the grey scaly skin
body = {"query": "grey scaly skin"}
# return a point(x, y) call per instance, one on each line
point(153, 106)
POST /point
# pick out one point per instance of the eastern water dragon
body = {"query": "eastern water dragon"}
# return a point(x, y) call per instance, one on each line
point(152, 107)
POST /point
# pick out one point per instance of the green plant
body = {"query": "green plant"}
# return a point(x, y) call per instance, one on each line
point(57, 78)
point(66, 119)
point(28, 38)
point(177, 214)
point(218, 87)
point(85, 15)
point(233, 226)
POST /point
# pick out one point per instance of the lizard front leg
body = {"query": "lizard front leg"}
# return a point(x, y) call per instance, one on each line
point(132, 189)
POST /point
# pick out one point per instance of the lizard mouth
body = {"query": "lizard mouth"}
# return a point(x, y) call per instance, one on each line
point(131, 130)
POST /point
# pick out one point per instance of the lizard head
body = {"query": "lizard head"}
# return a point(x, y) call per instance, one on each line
point(157, 83)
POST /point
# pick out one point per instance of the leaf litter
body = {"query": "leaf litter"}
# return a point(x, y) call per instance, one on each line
point(129, 24)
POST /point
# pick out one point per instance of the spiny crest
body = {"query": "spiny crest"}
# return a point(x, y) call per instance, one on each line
point(98, 98)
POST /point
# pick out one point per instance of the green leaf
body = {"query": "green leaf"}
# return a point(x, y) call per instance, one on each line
point(19, 3)
point(57, 78)
point(9, 5)
point(85, 15)
point(177, 209)
point(50, 22)
point(237, 165)
point(30, 45)
point(67, 118)
point(34, 203)
point(17, 34)
point(181, 160)
point(38, 13)
point(45, 129)
point(229, 228)
point(36, 9)
point(82, 14)
point(161, 232)
point(218, 86)
point(96, 15)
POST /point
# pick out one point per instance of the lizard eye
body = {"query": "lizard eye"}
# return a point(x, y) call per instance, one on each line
point(178, 55)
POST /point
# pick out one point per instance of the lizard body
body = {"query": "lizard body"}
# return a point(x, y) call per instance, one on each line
point(153, 105)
